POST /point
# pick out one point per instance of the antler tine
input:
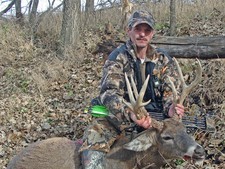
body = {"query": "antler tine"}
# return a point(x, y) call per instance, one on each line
point(137, 106)
point(142, 93)
point(175, 96)
point(173, 89)
point(129, 89)
point(134, 88)
point(186, 89)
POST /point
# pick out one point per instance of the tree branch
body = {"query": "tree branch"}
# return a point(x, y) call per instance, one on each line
point(8, 7)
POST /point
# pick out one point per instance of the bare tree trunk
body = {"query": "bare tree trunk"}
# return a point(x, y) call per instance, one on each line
point(172, 17)
point(70, 27)
point(89, 11)
point(19, 14)
point(32, 18)
point(78, 8)
point(127, 8)
point(89, 6)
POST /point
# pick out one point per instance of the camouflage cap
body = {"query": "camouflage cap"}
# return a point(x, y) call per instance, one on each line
point(139, 17)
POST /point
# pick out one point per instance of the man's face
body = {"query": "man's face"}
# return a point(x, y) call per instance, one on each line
point(141, 35)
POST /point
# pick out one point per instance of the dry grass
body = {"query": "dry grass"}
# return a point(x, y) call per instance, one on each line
point(185, 12)
point(49, 30)
point(13, 43)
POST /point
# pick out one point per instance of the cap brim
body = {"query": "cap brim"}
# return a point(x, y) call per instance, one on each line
point(141, 22)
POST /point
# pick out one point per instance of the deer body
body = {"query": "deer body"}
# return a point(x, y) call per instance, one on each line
point(53, 153)
point(148, 150)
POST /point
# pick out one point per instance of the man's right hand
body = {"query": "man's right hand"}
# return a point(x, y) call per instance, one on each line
point(145, 122)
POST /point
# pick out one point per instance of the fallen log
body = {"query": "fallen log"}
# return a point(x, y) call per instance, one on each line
point(192, 47)
point(179, 47)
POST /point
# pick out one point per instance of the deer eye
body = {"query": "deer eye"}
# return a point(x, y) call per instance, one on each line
point(167, 138)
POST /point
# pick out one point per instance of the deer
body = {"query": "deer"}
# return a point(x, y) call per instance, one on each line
point(149, 149)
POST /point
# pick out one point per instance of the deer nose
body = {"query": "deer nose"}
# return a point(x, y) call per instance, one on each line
point(199, 151)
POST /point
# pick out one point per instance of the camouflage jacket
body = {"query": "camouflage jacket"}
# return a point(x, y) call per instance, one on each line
point(113, 85)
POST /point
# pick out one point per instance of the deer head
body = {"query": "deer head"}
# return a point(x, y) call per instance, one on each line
point(154, 147)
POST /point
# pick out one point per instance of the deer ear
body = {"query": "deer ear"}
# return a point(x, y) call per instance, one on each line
point(141, 143)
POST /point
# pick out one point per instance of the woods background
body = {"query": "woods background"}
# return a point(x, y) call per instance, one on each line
point(51, 63)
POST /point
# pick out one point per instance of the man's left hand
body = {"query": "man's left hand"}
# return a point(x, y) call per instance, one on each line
point(178, 109)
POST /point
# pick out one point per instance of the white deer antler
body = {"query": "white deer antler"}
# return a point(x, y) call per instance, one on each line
point(136, 104)
point(186, 89)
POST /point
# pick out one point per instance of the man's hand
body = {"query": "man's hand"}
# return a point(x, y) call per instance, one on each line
point(178, 108)
point(145, 122)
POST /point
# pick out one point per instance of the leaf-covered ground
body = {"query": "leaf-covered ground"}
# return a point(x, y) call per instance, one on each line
point(43, 97)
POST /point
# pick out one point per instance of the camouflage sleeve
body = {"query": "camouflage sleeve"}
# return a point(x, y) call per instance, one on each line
point(112, 87)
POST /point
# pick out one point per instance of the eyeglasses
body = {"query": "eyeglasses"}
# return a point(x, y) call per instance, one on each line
point(142, 29)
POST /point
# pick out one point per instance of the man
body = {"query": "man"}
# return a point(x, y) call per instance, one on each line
point(138, 59)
